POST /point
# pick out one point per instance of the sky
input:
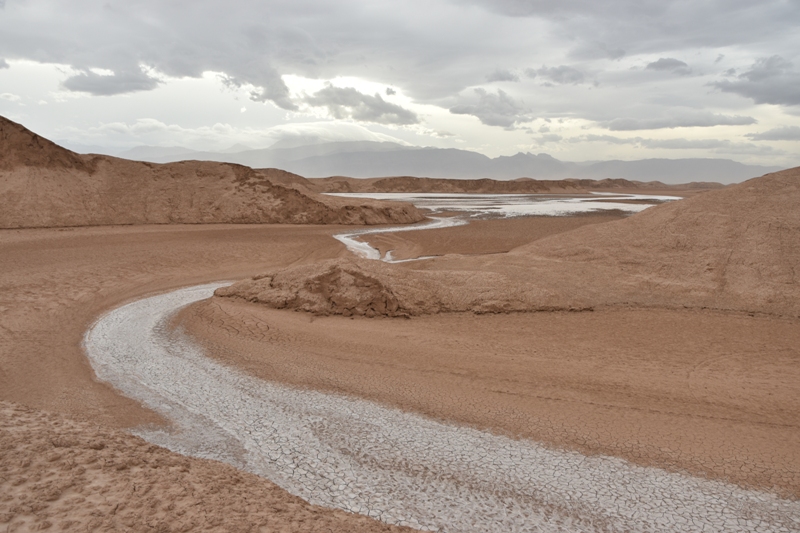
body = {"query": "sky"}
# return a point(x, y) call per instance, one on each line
point(580, 80)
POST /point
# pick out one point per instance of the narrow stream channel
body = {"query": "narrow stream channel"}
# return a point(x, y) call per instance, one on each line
point(399, 467)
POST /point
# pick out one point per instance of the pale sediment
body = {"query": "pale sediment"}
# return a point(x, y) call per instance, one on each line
point(399, 467)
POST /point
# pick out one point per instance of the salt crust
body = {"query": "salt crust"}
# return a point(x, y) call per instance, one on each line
point(399, 467)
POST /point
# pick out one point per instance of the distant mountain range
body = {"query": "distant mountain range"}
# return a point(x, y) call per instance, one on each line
point(366, 159)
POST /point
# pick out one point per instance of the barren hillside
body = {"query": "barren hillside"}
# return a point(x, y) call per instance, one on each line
point(44, 185)
point(732, 249)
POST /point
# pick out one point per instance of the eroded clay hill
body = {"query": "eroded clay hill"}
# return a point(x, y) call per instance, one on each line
point(45, 185)
point(733, 249)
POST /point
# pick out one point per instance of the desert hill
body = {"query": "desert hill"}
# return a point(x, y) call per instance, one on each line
point(45, 185)
point(407, 184)
point(731, 249)
point(736, 248)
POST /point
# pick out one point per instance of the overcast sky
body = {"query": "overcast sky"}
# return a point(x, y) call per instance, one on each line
point(578, 79)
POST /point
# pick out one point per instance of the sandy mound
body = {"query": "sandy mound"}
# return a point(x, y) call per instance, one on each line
point(66, 475)
point(44, 185)
point(341, 288)
point(733, 249)
point(359, 287)
point(736, 248)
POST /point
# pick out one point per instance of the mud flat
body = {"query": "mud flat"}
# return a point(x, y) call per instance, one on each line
point(396, 466)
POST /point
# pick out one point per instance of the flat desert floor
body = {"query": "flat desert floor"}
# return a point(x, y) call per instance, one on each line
point(709, 393)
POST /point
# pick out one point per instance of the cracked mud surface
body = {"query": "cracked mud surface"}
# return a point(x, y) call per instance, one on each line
point(396, 466)
point(711, 393)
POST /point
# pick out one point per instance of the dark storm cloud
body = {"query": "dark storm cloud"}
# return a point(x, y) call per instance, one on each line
point(770, 80)
point(670, 64)
point(502, 75)
point(116, 83)
point(785, 133)
point(346, 102)
point(701, 120)
point(497, 109)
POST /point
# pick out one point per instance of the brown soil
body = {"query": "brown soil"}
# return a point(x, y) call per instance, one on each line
point(732, 249)
point(481, 236)
point(689, 362)
point(711, 393)
point(44, 185)
point(62, 475)
point(55, 283)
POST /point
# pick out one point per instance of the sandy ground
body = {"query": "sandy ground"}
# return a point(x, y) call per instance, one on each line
point(480, 236)
point(57, 281)
point(689, 360)
point(344, 452)
point(710, 393)
point(58, 474)
point(62, 468)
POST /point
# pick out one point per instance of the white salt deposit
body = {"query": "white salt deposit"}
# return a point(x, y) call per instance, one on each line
point(399, 467)
point(514, 205)
point(488, 205)
point(363, 249)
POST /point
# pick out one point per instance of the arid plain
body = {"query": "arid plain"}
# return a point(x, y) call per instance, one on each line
point(668, 339)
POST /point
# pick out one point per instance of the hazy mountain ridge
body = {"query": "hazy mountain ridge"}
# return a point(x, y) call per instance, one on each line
point(365, 159)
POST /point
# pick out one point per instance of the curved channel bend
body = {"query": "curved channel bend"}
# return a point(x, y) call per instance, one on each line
point(399, 467)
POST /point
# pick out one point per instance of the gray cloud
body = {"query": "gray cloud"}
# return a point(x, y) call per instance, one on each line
point(275, 92)
point(785, 133)
point(390, 91)
point(494, 109)
point(432, 60)
point(117, 83)
point(255, 42)
point(590, 51)
point(346, 102)
point(770, 80)
point(670, 64)
point(502, 75)
point(548, 138)
point(3, 63)
point(562, 74)
point(647, 26)
point(699, 120)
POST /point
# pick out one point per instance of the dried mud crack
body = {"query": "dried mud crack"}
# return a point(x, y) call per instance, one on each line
point(398, 467)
